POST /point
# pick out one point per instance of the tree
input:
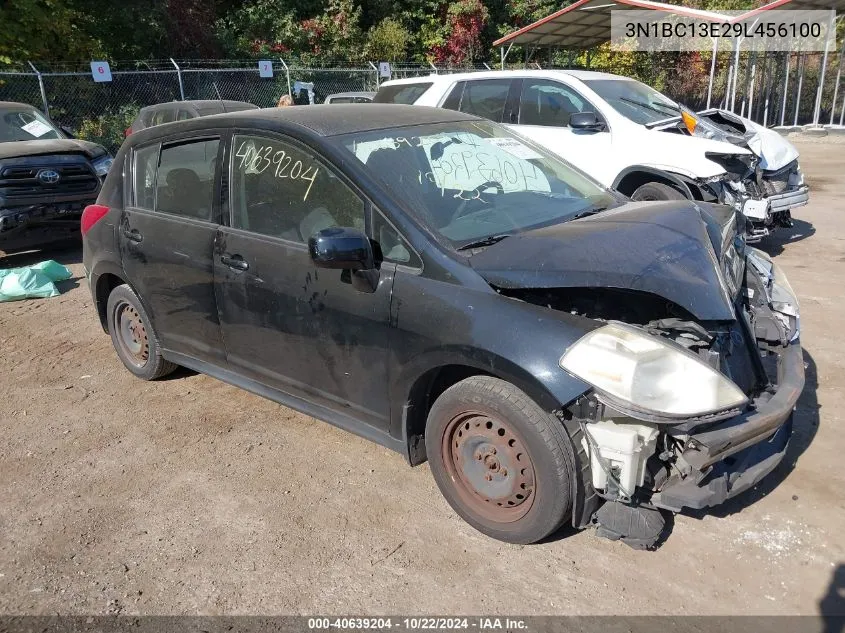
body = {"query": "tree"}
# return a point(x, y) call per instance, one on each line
point(466, 22)
point(387, 41)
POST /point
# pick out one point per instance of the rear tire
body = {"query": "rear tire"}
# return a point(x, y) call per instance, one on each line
point(656, 191)
point(133, 336)
point(500, 460)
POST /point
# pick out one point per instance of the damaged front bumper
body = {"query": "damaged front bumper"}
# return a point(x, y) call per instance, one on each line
point(647, 464)
point(765, 198)
point(732, 456)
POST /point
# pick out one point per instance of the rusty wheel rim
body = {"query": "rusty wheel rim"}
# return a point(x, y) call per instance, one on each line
point(490, 467)
point(131, 334)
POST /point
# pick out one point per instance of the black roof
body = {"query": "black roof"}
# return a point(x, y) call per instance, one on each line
point(199, 103)
point(326, 120)
point(312, 120)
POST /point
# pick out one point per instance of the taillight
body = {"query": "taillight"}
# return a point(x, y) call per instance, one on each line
point(127, 132)
point(92, 214)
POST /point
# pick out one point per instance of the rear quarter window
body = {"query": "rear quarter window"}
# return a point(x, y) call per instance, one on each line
point(402, 93)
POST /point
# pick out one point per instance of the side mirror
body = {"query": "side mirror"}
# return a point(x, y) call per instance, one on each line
point(349, 250)
point(341, 248)
point(587, 121)
point(67, 131)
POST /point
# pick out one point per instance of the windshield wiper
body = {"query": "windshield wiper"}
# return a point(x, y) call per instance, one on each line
point(484, 241)
point(588, 212)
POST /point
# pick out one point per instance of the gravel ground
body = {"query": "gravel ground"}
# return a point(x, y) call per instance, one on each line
point(188, 496)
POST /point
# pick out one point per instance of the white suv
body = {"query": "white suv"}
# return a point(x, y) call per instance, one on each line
point(630, 137)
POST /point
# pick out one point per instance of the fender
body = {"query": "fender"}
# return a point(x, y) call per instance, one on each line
point(552, 391)
point(659, 173)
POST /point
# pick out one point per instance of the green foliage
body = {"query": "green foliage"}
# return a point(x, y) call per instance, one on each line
point(387, 41)
point(107, 129)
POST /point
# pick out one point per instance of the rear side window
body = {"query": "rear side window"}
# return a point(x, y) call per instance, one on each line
point(486, 98)
point(165, 115)
point(401, 93)
point(185, 179)
point(144, 176)
point(282, 190)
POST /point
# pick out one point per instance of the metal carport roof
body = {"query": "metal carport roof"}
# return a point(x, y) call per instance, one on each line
point(586, 23)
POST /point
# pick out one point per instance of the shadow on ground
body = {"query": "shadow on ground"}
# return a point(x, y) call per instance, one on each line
point(832, 606)
point(65, 253)
point(775, 243)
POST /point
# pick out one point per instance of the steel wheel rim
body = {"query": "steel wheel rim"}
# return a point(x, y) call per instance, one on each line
point(490, 467)
point(131, 334)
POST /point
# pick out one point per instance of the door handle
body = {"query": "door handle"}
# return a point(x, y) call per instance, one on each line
point(235, 262)
point(133, 235)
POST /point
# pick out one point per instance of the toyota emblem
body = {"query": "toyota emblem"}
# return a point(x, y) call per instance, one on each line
point(48, 177)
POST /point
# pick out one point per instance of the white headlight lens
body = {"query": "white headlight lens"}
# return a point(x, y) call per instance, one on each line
point(639, 368)
point(102, 165)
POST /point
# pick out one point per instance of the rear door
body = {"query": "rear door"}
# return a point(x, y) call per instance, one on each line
point(287, 324)
point(167, 237)
point(487, 98)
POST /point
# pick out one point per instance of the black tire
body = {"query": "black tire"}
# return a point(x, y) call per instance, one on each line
point(657, 191)
point(514, 512)
point(133, 336)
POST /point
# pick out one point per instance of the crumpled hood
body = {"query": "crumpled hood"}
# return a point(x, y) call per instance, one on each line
point(18, 149)
point(772, 148)
point(668, 249)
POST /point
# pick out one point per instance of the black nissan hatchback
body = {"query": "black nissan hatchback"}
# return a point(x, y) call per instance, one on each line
point(444, 287)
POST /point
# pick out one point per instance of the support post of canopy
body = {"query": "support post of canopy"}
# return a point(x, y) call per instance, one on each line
point(712, 71)
point(787, 55)
point(831, 29)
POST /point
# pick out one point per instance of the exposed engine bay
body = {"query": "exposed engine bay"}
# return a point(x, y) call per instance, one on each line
point(636, 461)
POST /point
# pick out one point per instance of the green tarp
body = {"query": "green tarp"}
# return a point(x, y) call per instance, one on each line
point(32, 281)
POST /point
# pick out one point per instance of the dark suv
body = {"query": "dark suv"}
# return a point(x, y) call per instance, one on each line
point(46, 178)
point(444, 287)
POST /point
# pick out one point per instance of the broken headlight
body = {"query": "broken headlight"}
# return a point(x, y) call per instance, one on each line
point(737, 166)
point(644, 373)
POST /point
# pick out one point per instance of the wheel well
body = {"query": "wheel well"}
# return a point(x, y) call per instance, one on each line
point(105, 284)
point(636, 179)
point(424, 392)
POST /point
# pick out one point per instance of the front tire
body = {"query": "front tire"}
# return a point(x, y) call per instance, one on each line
point(500, 460)
point(133, 336)
point(656, 191)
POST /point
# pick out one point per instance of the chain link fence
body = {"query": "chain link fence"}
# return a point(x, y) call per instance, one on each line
point(772, 89)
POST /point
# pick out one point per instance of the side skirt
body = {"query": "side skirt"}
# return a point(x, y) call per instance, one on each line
point(335, 418)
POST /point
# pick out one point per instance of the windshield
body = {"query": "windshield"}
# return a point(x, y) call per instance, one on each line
point(475, 180)
point(25, 124)
point(635, 100)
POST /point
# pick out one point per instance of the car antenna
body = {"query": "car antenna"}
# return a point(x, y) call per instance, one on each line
point(222, 103)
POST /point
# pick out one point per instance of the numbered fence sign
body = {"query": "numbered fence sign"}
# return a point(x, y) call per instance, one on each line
point(265, 69)
point(100, 71)
point(384, 70)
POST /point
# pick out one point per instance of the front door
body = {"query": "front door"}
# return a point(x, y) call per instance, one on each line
point(303, 330)
point(166, 239)
point(544, 110)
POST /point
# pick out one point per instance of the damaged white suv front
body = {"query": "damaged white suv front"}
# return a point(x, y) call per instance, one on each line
point(762, 178)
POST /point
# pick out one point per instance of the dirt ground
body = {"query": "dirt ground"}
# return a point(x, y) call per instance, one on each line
point(188, 496)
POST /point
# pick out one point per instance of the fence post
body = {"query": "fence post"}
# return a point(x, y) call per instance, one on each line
point(378, 76)
point(41, 87)
point(436, 71)
point(179, 75)
point(287, 74)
